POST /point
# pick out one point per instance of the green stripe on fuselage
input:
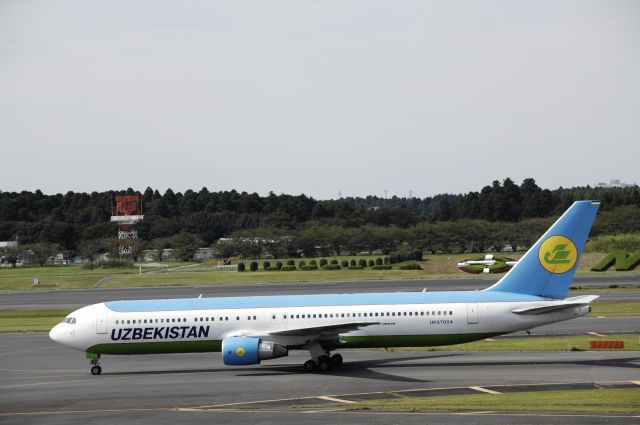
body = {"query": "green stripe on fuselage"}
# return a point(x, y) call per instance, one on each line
point(166, 347)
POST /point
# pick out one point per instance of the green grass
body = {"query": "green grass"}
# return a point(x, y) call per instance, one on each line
point(30, 320)
point(615, 308)
point(602, 400)
point(554, 343)
point(219, 277)
point(76, 277)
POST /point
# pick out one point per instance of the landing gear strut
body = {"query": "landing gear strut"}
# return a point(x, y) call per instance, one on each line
point(95, 367)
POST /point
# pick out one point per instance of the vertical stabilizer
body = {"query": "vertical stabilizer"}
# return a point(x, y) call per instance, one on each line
point(547, 269)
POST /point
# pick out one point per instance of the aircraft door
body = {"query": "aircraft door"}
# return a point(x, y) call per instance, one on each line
point(472, 313)
point(101, 324)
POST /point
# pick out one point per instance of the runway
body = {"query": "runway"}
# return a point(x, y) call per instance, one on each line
point(41, 382)
point(77, 298)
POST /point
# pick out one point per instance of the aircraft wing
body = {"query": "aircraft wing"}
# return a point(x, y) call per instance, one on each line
point(541, 308)
point(329, 329)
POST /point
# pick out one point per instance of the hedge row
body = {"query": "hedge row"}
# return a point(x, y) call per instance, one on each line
point(353, 264)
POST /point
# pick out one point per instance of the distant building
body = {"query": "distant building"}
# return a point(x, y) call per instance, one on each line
point(8, 244)
point(615, 183)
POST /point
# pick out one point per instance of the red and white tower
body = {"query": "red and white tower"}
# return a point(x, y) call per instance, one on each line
point(127, 212)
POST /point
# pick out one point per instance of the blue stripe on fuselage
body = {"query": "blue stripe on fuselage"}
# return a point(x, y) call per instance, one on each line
point(321, 300)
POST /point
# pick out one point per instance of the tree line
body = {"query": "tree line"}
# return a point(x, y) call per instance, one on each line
point(500, 213)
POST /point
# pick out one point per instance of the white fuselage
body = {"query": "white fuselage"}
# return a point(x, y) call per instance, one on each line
point(438, 324)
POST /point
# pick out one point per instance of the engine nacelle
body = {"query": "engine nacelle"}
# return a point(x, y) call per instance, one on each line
point(246, 350)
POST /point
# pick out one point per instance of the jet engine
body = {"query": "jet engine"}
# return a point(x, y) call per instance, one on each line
point(247, 350)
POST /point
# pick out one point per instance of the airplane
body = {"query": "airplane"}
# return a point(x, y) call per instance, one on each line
point(249, 330)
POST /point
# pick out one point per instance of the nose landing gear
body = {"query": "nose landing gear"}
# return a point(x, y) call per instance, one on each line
point(95, 367)
point(95, 363)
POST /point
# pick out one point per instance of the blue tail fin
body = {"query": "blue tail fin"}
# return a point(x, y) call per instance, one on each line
point(547, 269)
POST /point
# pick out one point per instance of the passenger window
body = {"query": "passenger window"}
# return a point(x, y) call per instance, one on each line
point(173, 320)
point(451, 313)
point(226, 318)
point(254, 317)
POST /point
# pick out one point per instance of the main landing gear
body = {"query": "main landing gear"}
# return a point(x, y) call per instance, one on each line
point(95, 367)
point(323, 363)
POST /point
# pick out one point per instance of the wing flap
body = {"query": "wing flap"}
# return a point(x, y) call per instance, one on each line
point(328, 329)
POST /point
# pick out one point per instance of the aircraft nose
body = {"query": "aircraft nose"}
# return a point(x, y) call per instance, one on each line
point(62, 334)
point(54, 334)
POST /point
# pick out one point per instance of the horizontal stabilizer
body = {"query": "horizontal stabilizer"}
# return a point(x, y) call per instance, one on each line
point(547, 307)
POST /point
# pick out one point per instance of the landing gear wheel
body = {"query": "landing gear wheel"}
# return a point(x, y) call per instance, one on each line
point(336, 360)
point(324, 364)
point(96, 370)
point(310, 366)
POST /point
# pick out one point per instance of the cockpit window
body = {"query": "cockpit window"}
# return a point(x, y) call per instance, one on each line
point(69, 320)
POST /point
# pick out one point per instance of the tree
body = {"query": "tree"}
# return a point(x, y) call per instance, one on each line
point(89, 248)
point(43, 251)
point(185, 246)
point(10, 255)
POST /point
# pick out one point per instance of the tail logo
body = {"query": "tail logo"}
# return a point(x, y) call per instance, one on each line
point(558, 254)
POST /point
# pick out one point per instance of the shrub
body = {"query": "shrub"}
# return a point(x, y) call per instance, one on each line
point(378, 261)
point(278, 266)
point(353, 263)
point(334, 261)
point(301, 263)
point(323, 262)
point(313, 263)
point(371, 263)
point(291, 263)
point(266, 265)
point(344, 264)
point(241, 267)
point(381, 267)
point(288, 268)
point(332, 267)
point(387, 260)
point(362, 263)
point(253, 266)
point(310, 267)
point(355, 268)
point(412, 266)
point(399, 257)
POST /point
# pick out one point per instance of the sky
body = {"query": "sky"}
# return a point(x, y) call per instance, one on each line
point(350, 97)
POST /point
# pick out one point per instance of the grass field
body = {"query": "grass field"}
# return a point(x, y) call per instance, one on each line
point(615, 308)
point(553, 343)
point(72, 277)
point(30, 320)
point(602, 400)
